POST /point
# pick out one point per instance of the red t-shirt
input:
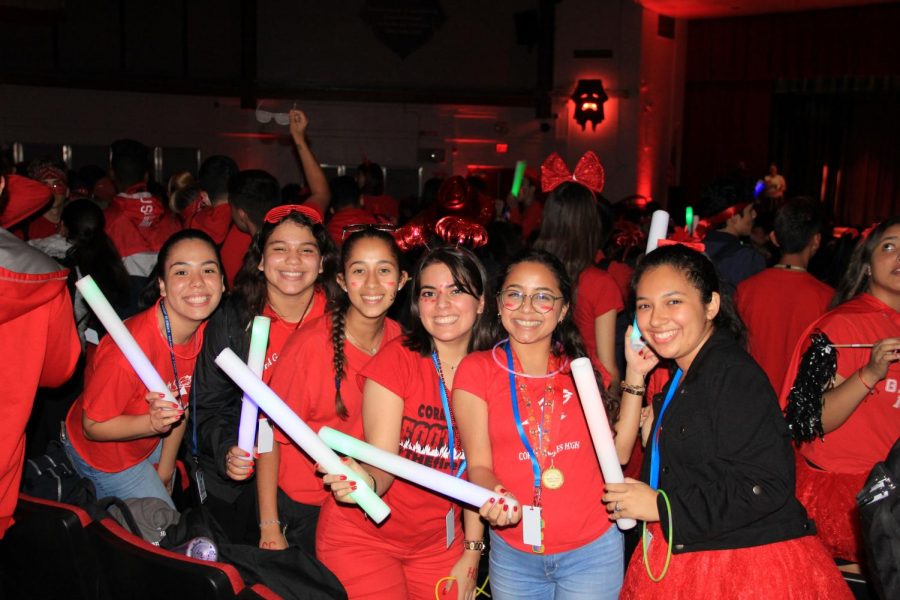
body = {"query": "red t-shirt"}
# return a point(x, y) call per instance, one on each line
point(41, 228)
point(112, 389)
point(867, 435)
point(383, 206)
point(344, 217)
point(280, 331)
point(597, 294)
point(306, 383)
point(777, 305)
point(233, 250)
point(416, 513)
point(214, 220)
point(573, 514)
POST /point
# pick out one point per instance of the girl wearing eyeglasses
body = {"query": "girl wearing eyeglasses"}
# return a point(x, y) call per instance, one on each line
point(406, 410)
point(525, 436)
point(280, 279)
point(317, 378)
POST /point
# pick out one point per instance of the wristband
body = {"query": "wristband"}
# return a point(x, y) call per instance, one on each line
point(871, 388)
point(632, 389)
point(270, 522)
point(474, 545)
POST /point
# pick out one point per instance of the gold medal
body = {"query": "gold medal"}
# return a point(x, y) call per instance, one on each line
point(552, 478)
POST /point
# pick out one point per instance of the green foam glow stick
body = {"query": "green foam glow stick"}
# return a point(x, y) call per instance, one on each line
point(689, 219)
point(259, 341)
point(518, 177)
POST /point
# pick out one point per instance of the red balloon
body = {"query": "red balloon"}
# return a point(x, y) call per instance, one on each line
point(455, 230)
point(410, 236)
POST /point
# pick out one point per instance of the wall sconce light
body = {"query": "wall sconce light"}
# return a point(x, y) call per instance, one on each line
point(589, 97)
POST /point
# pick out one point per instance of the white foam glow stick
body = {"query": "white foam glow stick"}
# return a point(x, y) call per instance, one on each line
point(598, 424)
point(256, 360)
point(297, 430)
point(432, 479)
point(123, 338)
point(659, 228)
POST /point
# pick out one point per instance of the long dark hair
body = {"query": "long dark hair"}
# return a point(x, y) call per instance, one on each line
point(858, 273)
point(339, 304)
point(250, 290)
point(469, 276)
point(566, 340)
point(570, 228)
point(92, 252)
point(150, 294)
point(701, 273)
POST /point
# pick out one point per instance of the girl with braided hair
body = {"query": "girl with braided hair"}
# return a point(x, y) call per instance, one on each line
point(319, 363)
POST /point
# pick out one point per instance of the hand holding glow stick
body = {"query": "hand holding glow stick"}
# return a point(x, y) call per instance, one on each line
point(116, 329)
point(637, 344)
point(517, 178)
point(297, 430)
point(659, 228)
point(259, 341)
point(598, 424)
point(432, 479)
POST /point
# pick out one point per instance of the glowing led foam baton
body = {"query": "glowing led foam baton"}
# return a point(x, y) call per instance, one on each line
point(598, 424)
point(123, 338)
point(256, 360)
point(517, 178)
point(300, 432)
point(432, 479)
point(659, 228)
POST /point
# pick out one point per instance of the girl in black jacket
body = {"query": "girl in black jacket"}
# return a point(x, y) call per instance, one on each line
point(719, 469)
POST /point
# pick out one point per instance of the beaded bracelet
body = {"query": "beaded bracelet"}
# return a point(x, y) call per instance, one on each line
point(270, 522)
point(631, 389)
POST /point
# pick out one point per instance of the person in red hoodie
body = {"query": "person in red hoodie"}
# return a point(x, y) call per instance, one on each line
point(370, 178)
point(137, 222)
point(35, 309)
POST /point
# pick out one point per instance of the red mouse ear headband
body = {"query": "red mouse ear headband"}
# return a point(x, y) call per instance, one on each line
point(588, 172)
point(452, 230)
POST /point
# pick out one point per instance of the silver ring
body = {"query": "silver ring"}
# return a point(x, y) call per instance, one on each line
point(617, 506)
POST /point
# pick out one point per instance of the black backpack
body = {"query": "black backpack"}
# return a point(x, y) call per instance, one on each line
point(53, 477)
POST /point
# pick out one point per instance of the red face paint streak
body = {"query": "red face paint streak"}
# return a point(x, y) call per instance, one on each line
point(355, 284)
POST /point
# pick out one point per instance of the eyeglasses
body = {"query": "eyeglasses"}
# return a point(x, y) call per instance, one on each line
point(357, 227)
point(541, 302)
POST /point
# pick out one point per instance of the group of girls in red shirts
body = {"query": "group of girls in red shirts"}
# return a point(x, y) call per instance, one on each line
point(480, 387)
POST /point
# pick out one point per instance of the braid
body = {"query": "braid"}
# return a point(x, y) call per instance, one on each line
point(338, 313)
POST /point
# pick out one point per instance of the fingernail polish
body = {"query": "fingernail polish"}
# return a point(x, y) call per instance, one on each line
point(344, 459)
point(162, 395)
point(515, 509)
point(505, 507)
point(502, 500)
point(502, 490)
point(343, 478)
point(491, 500)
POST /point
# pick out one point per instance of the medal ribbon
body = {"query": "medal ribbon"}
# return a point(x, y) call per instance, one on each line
point(654, 440)
point(535, 465)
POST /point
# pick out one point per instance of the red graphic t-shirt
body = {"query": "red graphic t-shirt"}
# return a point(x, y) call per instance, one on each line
point(112, 389)
point(573, 515)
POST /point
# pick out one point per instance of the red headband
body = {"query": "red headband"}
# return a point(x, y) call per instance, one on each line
point(588, 172)
point(279, 212)
point(727, 213)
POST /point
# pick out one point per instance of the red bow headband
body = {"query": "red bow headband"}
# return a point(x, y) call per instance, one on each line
point(279, 212)
point(681, 236)
point(588, 172)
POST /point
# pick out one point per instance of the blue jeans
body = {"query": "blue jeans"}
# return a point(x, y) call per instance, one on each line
point(592, 572)
point(139, 481)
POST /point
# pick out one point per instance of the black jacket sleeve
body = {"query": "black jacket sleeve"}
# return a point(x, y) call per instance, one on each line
point(215, 399)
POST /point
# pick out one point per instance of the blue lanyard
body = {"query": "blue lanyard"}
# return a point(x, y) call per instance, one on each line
point(165, 314)
point(446, 404)
point(654, 441)
point(535, 466)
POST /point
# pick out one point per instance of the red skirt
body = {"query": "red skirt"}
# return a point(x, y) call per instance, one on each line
point(798, 569)
point(830, 500)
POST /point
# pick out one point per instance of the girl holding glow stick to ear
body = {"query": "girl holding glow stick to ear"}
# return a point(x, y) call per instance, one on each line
point(524, 431)
point(722, 519)
point(317, 378)
point(279, 280)
point(116, 431)
point(406, 410)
